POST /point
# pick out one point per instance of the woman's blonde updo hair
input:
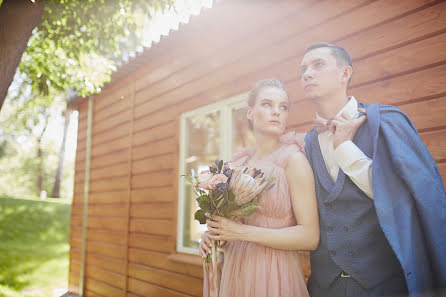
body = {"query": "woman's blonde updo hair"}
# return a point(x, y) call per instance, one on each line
point(258, 86)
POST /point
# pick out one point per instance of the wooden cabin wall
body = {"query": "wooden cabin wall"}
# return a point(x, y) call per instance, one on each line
point(399, 57)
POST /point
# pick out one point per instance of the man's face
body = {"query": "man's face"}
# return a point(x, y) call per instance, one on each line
point(320, 76)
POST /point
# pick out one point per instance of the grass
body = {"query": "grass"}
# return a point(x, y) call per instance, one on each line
point(34, 246)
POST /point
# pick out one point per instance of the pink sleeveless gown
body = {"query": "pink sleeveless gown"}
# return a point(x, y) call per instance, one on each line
point(248, 269)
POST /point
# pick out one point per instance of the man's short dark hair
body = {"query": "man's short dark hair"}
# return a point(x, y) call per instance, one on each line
point(340, 54)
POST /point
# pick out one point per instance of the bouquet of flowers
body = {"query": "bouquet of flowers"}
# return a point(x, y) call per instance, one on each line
point(227, 191)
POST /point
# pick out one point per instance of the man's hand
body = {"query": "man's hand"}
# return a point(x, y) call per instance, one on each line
point(344, 129)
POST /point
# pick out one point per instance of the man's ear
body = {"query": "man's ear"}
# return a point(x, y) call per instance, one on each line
point(346, 74)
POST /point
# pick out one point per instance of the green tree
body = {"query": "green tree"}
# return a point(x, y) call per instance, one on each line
point(66, 114)
point(70, 37)
point(73, 45)
point(32, 154)
point(25, 123)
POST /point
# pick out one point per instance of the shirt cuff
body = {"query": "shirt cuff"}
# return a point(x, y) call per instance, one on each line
point(347, 153)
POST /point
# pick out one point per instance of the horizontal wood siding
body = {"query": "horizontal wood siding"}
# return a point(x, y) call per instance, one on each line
point(399, 57)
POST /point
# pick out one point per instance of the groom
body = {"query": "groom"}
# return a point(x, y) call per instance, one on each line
point(381, 199)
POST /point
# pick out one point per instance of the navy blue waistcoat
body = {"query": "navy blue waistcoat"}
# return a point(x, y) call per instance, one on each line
point(351, 237)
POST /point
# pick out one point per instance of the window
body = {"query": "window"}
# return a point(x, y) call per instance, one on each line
point(208, 133)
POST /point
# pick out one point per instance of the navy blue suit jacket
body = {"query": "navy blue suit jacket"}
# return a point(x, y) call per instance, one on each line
point(409, 198)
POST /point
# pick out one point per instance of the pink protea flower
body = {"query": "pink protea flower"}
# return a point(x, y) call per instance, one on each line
point(247, 183)
point(217, 179)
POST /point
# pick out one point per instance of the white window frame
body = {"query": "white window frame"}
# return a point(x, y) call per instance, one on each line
point(224, 107)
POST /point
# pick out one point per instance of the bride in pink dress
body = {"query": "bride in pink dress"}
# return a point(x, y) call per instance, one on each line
point(260, 257)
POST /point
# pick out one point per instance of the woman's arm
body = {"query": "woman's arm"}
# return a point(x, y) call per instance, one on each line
point(303, 236)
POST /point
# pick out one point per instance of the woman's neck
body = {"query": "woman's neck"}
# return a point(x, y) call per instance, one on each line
point(265, 145)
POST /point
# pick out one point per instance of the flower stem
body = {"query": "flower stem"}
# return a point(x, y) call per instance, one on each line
point(214, 268)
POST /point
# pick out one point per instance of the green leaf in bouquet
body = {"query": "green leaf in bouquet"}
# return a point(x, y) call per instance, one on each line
point(246, 210)
point(204, 202)
point(212, 199)
point(231, 196)
point(215, 195)
point(222, 201)
point(220, 165)
point(199, 216)
point(228, 207)
point(219, 197)
point(213, 214)
point(213, 169)
point(204, 197)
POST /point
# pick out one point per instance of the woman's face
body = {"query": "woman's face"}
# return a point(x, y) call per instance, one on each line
point(269, 115)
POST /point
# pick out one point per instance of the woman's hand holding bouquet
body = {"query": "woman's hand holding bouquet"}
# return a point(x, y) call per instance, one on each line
point(228, 192)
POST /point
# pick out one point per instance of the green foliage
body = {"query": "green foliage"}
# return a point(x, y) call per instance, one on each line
point(219, 203)
point(78, 43)
point(5, 149)
point(19, 171)
point(34, 249)
point(204, 202)
point(229, 207)
point(219, 164)
point(245, 210)
point(22, 127)
point(200, 216)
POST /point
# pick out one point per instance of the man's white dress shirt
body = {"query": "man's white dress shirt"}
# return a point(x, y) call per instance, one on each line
point(347, 155)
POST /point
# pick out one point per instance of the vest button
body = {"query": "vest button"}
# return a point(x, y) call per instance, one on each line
point(351, 253)
point(332, 253)
point(330, 229)
point(345, 228)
